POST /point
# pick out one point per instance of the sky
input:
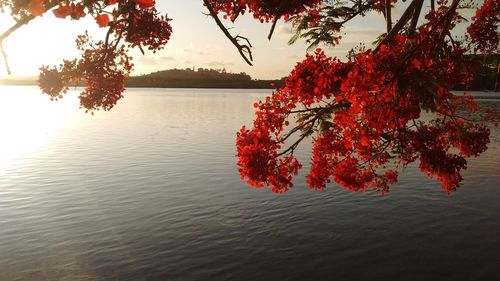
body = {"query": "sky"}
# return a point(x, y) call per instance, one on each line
point(196, 42)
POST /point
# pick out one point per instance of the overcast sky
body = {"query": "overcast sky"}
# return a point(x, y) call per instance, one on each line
point(196, 42)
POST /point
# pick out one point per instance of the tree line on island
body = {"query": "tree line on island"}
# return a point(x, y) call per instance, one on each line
point(487, 78)
point(201, 78)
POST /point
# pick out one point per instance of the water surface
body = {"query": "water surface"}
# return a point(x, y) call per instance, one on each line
point(150, 191)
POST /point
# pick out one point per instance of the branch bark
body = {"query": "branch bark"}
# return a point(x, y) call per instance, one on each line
point(414, 19)
point(15, 27)
point(400, 24)
point(388, 16)
point(244, 50)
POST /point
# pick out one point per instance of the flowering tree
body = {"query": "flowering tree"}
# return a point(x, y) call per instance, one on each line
point(363, 114)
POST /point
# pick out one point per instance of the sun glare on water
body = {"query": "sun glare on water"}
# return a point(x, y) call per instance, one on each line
point(29, 121)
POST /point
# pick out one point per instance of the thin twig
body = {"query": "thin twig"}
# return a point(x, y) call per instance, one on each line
point(399, 25)
point(414, 20)
point(292, 148)
point(244, 50)
point(388, 17)
point(448, 17)
point(272, 28)
point(15, 27)
point(5, 59)
point(305, 110)
point(362, 8)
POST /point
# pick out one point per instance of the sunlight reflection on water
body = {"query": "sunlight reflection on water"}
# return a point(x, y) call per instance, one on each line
point(150, 191)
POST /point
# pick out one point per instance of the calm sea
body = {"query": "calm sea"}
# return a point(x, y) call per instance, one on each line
point(150, 191)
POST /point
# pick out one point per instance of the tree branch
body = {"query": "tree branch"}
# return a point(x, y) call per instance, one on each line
point(448, 18)
point(7, 33)
point(292, 148)
point(15, 27)
point(6, 61)
point(414, 19)
point(388, 17)
point(400, 24)
point(244, 50)
point(272, 28)
point(362, 8)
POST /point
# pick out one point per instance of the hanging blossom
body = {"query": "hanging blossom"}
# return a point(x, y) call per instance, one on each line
point(104, 66)
point(263, 10)
point(364, 116)
point(484, 29)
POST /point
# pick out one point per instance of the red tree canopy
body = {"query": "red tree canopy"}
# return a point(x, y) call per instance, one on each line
point(363, 114)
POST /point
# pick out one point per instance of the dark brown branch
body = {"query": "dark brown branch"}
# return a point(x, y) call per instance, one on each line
point(7, 33)
point(441, 21)
point(451, 37)
point(305, 110)
point(6, 61)
point(292, 148)
point(15, 27)
point(414, 19)
point(388, 16)
point(361, 9)
point(244, 50)
point(272, 28)
point(321, 111)
point(400, 24)
point(448, 18)
point(294, 130)
point(311, 122)
point(243, 38)
point(23, 21)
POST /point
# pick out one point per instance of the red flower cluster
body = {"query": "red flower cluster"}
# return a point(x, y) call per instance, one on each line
point(145, 3)
point(145, 28)
point(102, 20)
point(102, 70)
point(366, 117)
point(104, 66)
point(257, 159)
point(484, 30)
point(66, 8)
point(263, 10)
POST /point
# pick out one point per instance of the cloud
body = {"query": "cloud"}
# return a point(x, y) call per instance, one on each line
point(359, 34)
point(146, 60)
point(203, 53)
point(169, 58)
point(188, 49)
point(297, 56)
point(219, 63)
point(283, 31)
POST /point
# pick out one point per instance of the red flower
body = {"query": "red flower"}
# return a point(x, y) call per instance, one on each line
point(144, 3)
point(102, 20)
point(62, 11)
point(36, 7)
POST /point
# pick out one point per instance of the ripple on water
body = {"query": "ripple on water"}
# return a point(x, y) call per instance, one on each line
point(150, 191)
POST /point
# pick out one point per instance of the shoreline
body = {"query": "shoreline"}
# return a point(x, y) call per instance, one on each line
point(494, 94)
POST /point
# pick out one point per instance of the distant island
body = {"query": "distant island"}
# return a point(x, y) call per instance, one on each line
point(180, 78)
point(201, 78)
point(488, 74)
point(487, 78)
